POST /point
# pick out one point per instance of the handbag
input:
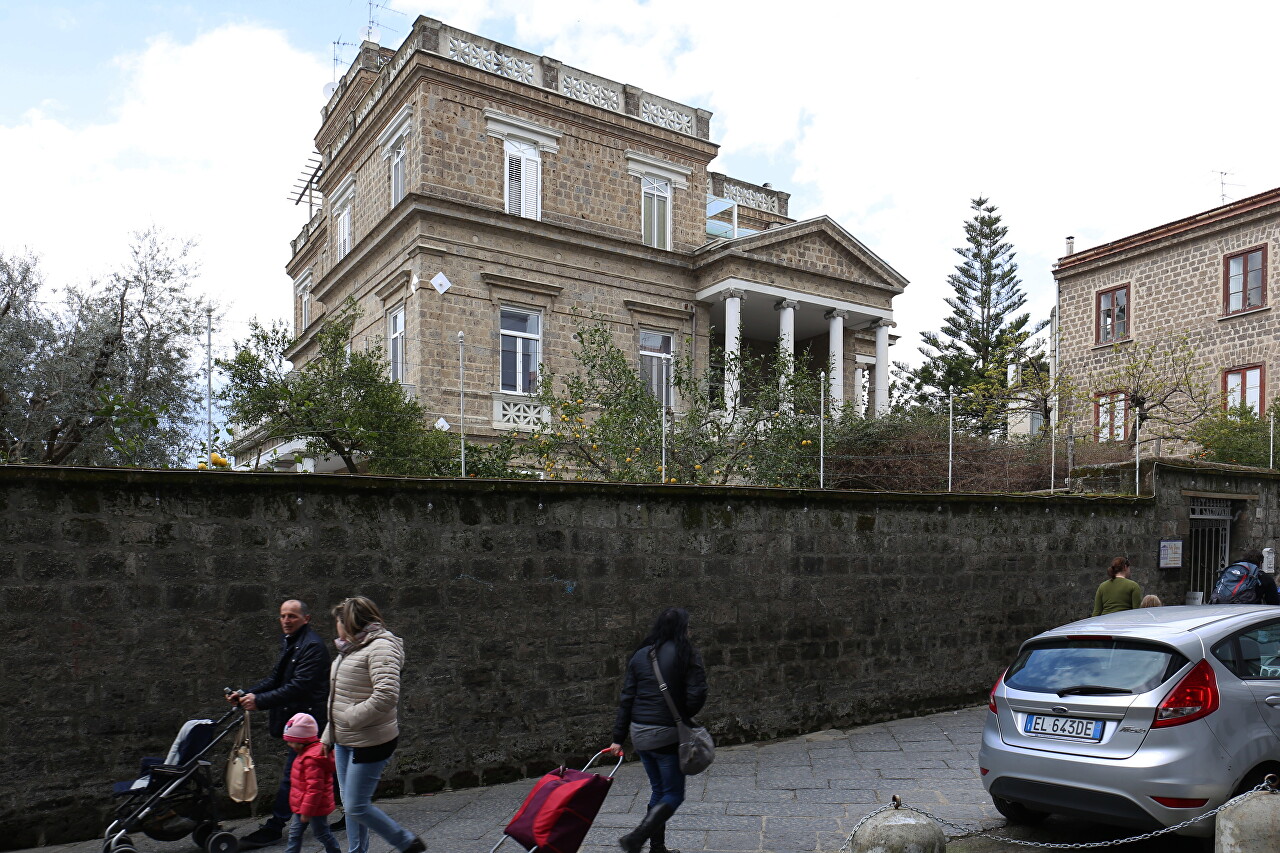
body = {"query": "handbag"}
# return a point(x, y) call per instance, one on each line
point(697, 749)
point(242, 779)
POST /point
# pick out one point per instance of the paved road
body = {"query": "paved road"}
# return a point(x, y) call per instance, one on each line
point(785, 796)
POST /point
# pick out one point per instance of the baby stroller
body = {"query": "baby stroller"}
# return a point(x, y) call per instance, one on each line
point(174, 798)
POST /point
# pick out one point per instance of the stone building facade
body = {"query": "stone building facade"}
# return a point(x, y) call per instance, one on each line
point(1206, 279)
point(472, 189)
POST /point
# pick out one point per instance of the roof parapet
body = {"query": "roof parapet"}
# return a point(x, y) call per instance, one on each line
point(431, 35)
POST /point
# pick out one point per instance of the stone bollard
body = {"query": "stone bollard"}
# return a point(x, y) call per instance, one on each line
point(899, 831)
point(1249, 826)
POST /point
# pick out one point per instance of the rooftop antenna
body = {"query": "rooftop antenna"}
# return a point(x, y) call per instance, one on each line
point(337, 56)
point(1223, 184)
point(372, 32)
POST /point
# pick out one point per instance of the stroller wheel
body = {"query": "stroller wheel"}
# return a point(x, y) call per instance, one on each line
point(202, 832)
point(222, 842)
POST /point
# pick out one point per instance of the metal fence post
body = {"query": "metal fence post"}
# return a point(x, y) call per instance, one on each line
point(951, 435)
point(822, 420)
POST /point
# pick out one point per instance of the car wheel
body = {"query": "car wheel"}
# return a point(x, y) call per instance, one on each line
point(1017, 812)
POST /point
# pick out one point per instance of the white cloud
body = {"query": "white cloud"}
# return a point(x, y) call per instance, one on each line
point(204, 141)
point(1096, 120)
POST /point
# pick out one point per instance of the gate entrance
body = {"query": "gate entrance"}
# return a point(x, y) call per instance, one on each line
point(1209, 543)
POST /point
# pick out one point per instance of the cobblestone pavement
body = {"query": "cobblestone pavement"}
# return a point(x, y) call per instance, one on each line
point(784, 796)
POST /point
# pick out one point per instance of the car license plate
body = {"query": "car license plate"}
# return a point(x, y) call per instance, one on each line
point(1069, 727)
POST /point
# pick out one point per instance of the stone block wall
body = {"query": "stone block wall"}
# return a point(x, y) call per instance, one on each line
point(129, 599)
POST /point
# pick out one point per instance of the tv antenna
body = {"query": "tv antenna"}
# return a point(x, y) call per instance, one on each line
point(1223, 184)
point(372, 31)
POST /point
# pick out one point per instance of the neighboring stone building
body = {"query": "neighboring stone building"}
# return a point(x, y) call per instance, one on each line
point(469, 187)
point(1207, 276)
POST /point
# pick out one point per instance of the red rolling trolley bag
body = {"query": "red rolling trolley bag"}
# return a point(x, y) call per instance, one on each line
point(559, 811)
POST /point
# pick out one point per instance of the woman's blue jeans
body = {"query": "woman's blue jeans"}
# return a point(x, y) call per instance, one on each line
point(357, 783)
point(665, 779)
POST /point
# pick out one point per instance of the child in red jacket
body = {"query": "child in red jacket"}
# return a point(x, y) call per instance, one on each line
point(310, 784)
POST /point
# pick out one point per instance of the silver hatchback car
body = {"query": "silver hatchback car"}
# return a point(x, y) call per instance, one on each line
point(1143, 719)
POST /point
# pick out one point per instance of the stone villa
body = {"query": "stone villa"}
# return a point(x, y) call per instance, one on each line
point(474, 191)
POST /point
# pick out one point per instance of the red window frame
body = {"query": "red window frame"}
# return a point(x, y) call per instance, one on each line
point(1097, 314)
point(1243, 370)
point(1261, 251)
point(1106, 400)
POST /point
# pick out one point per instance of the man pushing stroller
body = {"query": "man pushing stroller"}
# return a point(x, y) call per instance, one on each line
point(298, 683)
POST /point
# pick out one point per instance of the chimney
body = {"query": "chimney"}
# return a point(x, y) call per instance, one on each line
point(1071, 245)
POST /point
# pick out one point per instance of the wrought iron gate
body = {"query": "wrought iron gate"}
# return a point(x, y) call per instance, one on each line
point(1210, 542)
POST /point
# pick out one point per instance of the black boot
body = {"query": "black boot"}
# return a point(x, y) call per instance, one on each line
point(658, 840)
point(657, 816)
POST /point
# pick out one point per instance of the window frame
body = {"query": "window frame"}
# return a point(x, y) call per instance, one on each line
point(526, 158)
point(399, 183)
point(343, 200)
point(650, 358)
point(1128, 314)
point(1243, 371)
point(1244, 254)
point(656, 194)
point(525, 385)
point(397, 343)
point(1107, 401)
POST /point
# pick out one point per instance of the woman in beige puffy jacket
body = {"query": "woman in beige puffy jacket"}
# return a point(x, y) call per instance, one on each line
point(364, 689)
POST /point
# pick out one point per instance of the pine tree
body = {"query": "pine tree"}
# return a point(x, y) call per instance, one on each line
point(972, 353)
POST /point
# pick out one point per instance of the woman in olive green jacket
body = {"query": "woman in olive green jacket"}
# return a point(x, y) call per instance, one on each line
point(1117, 592)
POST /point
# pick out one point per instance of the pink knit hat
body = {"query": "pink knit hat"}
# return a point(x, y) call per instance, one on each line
point(301, 728)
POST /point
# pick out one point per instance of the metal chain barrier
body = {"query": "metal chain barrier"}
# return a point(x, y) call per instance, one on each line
point(1270, 785)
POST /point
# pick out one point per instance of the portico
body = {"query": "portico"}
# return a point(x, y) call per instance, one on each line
point(751, 311)
point(812, 289)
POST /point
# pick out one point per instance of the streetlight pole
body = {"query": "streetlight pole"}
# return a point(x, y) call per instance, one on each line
point(208, 375)
point(462, 406)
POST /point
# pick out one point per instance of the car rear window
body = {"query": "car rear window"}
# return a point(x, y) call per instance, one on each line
point(1093, 667)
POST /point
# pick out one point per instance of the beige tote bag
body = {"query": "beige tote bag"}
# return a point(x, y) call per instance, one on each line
point(242, 780)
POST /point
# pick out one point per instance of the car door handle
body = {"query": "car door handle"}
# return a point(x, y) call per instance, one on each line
point(1273, 701)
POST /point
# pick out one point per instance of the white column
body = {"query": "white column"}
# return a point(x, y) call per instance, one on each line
point(835, 355)
point(786, 309)
point(882, 365)
point(732, 346)
point(859, 376)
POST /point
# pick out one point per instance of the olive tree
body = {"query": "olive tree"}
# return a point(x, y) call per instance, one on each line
point(107, 373)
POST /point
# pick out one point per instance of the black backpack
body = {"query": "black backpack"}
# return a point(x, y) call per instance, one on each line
point(1238, 584)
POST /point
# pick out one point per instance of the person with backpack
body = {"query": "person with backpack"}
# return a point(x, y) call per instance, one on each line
point(1244, 582)
point(1117, 592)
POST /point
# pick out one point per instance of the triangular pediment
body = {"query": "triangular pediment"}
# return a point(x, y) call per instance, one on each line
point(818, 246)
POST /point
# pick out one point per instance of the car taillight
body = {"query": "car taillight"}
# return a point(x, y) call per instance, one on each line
point(991, 699)
point(1179, 802)
point(1195, 696)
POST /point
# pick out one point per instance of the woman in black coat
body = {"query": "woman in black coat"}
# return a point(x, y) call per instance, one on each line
point(643, 714)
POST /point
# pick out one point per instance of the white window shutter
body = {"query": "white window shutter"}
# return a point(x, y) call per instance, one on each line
point(515, 184)
point(531, 184)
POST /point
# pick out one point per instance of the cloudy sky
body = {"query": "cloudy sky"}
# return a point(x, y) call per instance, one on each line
point(1090, 119)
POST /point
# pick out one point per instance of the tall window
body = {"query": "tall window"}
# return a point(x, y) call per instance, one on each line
point(1113, 314)
point(1243, 385)
point(306, 310)
point(656, 210)
point(521, 342)
point(343, 221)
point(524, 178)
point(397, 170)
point(655, 364)
point(395, 342)
point(1245, 285)
point(1111, 411)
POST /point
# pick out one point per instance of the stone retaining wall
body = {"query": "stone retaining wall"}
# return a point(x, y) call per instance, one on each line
point(129, 599)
